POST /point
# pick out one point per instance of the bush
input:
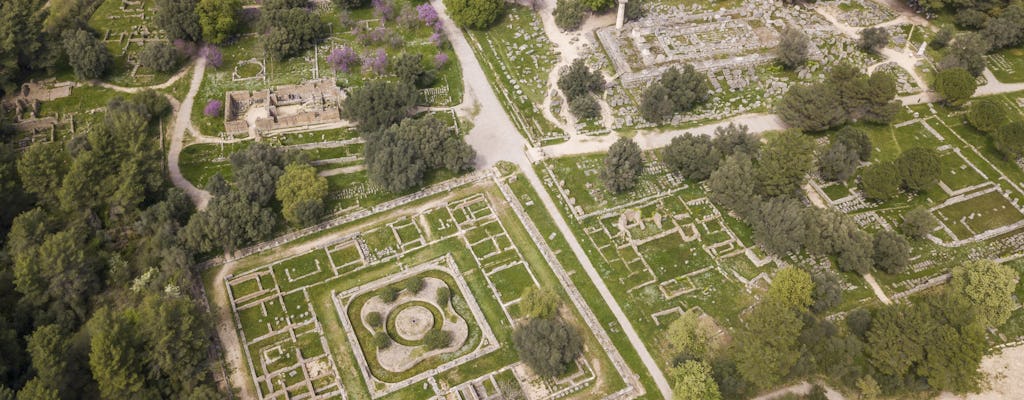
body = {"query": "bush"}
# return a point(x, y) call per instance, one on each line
point(585, 107)
point(159, 56)
point(986, 115)
point(1009, 140)
point(569, 14)
point(414, 285)
point(548, 346)
point(443, 296)
point(873, 39)
point(437, 339)
point(389, 294)
point(474, 14)
point(381, 340)
point(793, 48)
point(374, 319)
point(918, 222)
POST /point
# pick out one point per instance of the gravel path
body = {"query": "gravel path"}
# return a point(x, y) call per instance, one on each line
point(182, 121)
point(495, 138)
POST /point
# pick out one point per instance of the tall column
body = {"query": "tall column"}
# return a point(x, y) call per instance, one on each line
point(621, 17)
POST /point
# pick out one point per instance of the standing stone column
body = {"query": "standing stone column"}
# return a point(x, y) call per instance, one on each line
point(621, 17)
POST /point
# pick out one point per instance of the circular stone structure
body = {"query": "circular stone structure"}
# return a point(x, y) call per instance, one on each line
point(412, 323)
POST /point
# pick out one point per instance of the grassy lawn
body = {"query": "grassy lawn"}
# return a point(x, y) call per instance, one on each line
point(1007, 65)
point(980, 214)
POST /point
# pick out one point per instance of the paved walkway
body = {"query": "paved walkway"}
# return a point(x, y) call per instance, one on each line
point(495, 138)
point(182, 121)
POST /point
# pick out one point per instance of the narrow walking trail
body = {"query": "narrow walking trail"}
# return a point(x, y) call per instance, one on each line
point(182, 121)
point(495, 138)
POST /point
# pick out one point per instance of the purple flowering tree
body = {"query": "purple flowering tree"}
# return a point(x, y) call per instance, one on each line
point(427, 14)
point(342, 59)
point(383, 9)
point(213, 56)
point(213, 108)
point(376, 62)
point(438, 39)
point(440, 60)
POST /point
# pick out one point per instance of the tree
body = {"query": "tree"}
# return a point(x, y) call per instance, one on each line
point(868, 388)
point(219, 19)
point(443, 296)
point(656, 103)
point(585, 107)
point(622, 166)
point(25, 46)
point(474, 14)
point(301, 193)
point(792, 287)
point(179, 19)
point(694, 157)
point(955, 85)
point(880, 181)
point(257, 169)
point(159, 56)
point(1007, 29)
point(389, 294)
point(381, 340)
point(1009, 140)
point(694, 382)
point(437, 339)
point(896, 340)
point(374, 319)
point(986, 115)
point(414, 284)
point(378, 104)
point(783, 164)
point(810, 108)
point(115, 356)
point(838, 162)
point(548, 345)
point(828, 292)
point(989, 287)
point(49, 350)
point(349, 4)
point(688, 338)
point(855, 139)
point(853, 250)
point(393, 163)
point(578, 80)
point(731, 139)
point(941, 38)
point(409, 69)
point(41, 169)
point(874, 39)
point(37, 389)
point(60, 276)
point(892, 252)
point(87, 55)
point(732, 185)
point(952, 358)
point(971, 19)
point(539, 303)
point(767, 348)
point(289, 28)
point(918, 222)
point(229, 222)
point(779, 225)
point(968, 52)
point(687, 88)
point(569, 14)
point(793, 48)
point(918, 168)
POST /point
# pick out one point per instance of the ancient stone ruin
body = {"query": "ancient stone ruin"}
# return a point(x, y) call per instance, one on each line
point(265, 111)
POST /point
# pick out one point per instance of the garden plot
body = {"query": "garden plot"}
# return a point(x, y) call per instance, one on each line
point(516, 55)
point(304, 324)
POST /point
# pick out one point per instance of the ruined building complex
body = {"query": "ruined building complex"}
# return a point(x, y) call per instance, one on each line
point(265, 111)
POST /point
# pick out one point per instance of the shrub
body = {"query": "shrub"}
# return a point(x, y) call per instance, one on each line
point(1009, 140)
point(918, 168)
point(443, 296)
point(389, 294)
point(414, 285)
point(880, 181)
point(437, 339)
point(213, 108)
point(381, 340)
point(569, 14)
point(918, 222)
point(374, 319)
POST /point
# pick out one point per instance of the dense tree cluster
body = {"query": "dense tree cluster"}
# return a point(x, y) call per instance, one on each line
point(159, 56)
point(968, 52)
point(378, 104)
point(579, 85)
point(289, 28)
point(219, 19)
point(846, 95)
point(31, 37)
point(399, 157)
point(474, 14)
point(301, 193)
point(86, 54)
point(622, 166)
point(94, 278)
point(848, 148)
point(179, 19)
point(675, 92)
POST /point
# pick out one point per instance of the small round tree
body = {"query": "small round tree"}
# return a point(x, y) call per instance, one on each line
point(374, 319)
point(986, 115)
point(548, 345)
point(585, 107)
point(918, 167)
point(443, 296)
point(414, 285)
point(793, 48)
point(918, 222)
point(892, 252)
point(955, 85)
point(622, 166)
point(389, 294)
point(569, 14)
point(381, 340)
point(474, 14)
point(880, 181)
point(437, 339)
point(1009, 140)
point(159, 56)
point(874, 39)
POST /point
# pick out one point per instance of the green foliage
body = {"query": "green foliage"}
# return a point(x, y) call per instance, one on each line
point(792, 287)
point(599, 5)
point(443, 296)
point(656, 103)
point(880, 181)
point(986, 115)
point(874, 39)
point(578, 80)
point(474, 14)
point(897, 338)
point(548, 346)
point(694, 157)
point(398, 158)
point(179, 19)
point(794, 48)
point(87, 55)
point(24, 45)
point(828, 292)
point(810, 108)
point(378, 104)
point(892, 252)
point(956, 85)
point(374, 319)
point(783, 164)
point(389, 294)
point(918, 222)
point(731, 139)
point(437, 339)
point(229, 222)
point(860, 96)
point(41, 169)
point(732, 185)
point(1009, 140)
point(953, 357)
point(622, 166)
point(301, 193)
point(1007, 29)
point(779, 225)
point(570, 14)
point(855, 139)
point(159, 56)
point(838, 162)
point(219, 19)
point(918, 168)
point(290, 28)
point(968, 52)
point(37, 389)
point(868, 388)
point(688, 338)
point(585, 107)
point(694, 382)
point(539, 303)
point(409, 69)
point(381, 340)
point(988, 287)
point(680, 91)
point(941, 40)
point(767, 349)
point(414, 285)
point(349, 4)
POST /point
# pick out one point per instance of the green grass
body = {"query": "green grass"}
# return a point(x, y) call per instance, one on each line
point(980, 214)
point(1007, 65)
point(511, 282)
